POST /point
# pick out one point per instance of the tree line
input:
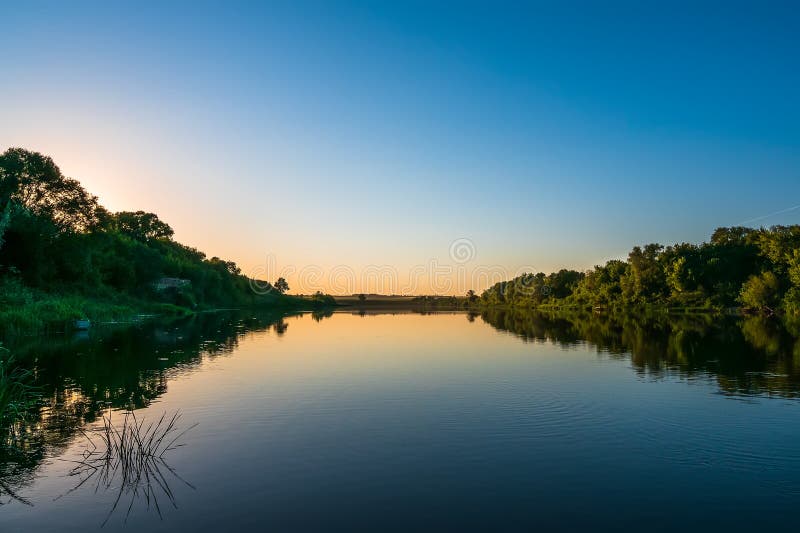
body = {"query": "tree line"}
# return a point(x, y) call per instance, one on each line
point(55, 237)
point(756, 269)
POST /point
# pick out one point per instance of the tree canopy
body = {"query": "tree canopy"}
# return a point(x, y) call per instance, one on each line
point(141, 226)
point(34, 183)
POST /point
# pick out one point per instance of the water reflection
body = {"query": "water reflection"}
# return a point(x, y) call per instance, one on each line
point(745, 355)
point(6, 491)
point(117, 368)
point(127, 368)
point(131, 460)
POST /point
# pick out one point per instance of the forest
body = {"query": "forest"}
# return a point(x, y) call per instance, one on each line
point(754, 270)
point(63, 256)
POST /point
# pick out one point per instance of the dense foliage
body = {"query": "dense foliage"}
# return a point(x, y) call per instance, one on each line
point(55, 238)
point(738, 267)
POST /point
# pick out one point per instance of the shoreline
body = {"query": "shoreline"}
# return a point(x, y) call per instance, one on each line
point(56, 313)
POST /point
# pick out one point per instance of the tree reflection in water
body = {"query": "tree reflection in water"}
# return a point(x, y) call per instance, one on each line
point(126, 368)
point(745, 355)
point(121, 368)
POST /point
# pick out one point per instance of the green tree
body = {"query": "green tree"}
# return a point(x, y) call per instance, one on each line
point(5, 220)
point(227, 266)
point(141, 226)
point(791, 302)
point(645, 280)
point(761, 291)
point(281, 286)
point(34, 182)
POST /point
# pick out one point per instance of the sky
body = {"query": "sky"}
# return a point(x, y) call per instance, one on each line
point(401, 137)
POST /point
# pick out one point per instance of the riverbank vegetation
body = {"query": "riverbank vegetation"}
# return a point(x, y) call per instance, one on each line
point(752, 269)
point(18, 397)
point(64, 256)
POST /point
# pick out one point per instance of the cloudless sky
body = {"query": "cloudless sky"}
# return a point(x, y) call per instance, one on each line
point(551, 135)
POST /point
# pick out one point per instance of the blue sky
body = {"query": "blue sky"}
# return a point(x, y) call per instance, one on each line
point(551, 135)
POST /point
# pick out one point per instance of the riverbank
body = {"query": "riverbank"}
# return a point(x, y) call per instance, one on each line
point(619, 308)
point(477, 305)
point(49, 313)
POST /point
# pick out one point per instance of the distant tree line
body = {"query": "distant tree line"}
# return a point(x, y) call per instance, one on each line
point(56, 237)
point(757, 269)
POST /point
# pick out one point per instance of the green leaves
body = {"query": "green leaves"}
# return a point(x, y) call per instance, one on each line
point(761, 291)
point(143, 227)
point(758, 268)
point(33, 182)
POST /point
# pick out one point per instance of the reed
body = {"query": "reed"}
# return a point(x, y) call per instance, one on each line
point(18, 395)
point(131, 458)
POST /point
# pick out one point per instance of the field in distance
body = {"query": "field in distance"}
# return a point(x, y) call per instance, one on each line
point(398, 300)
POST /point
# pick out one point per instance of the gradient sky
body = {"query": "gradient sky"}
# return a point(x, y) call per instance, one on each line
point(378, 133)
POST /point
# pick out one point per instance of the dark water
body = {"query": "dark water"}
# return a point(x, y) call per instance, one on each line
point(405, 421)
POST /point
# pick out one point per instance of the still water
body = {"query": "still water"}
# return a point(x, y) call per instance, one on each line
point(408, 421)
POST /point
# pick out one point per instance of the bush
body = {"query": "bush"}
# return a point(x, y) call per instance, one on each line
point(13, 292)
point(760, 291)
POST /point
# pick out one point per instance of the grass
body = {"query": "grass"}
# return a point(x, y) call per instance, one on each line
point(54, 312)
point(51, 313)
point(132, 458)
point(26, 311)
point(18, 396)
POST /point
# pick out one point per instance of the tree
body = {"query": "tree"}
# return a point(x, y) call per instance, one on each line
point(645, 280)
point(794, 267)
point(471, 297)
point(141, 226)
point(791, 302)
point(736, 235)
point(563, 282)
point(281, 286)
point(5, 220)
point(228, 266)
point(321, 298)
point(34, 182)
point(362, 298)
point(761, 291)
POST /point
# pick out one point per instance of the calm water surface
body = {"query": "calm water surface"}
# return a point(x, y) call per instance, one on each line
point(444, 421)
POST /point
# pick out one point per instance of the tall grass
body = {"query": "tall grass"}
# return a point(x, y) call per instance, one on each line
point(53, 313)
point(56, 313)
point(18, 395)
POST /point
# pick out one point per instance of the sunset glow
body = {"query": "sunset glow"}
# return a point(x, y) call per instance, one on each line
point(333, 138)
